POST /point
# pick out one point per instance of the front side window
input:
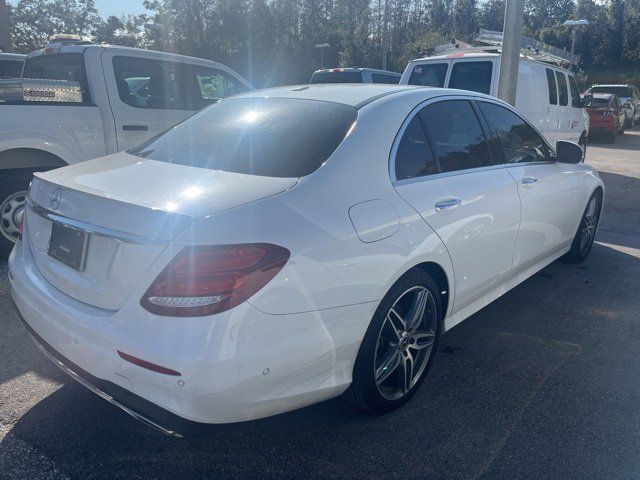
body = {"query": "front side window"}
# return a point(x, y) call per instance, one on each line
point(429, 75)
point(519, 141)
point(214, 85)
point(61, 66)
point(562, 88)
point(473, 76)
point(575, 93)
point(414, 157)
point(272, 137)
point(553, 89)
point(455, 135)
point(149, 83)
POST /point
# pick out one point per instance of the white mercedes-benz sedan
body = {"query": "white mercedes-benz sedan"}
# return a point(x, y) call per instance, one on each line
point(291, 245)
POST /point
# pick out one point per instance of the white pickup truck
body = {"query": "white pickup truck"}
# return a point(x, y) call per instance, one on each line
point(114, 98)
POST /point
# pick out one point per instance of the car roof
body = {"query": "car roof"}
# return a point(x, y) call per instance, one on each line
point(603, 95)
point(611, 85)
point(353, 94)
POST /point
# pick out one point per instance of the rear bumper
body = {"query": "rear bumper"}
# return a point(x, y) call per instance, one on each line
point(142, 410)
point(237, 366)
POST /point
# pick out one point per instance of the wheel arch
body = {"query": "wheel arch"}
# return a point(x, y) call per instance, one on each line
point(18, 158)
point(440, 277)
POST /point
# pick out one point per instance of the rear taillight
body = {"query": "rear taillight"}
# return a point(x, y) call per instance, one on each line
point(608, 113)
point(204, 280)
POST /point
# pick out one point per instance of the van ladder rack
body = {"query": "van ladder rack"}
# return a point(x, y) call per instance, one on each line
point(531, 47)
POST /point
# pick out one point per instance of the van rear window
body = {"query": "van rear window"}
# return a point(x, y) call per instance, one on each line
point(429, 75)
point(473, 76)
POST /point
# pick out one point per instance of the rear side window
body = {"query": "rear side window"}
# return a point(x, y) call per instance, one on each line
point(337, 77)
point(575, 93)
point(11, 68)
point(429, 75)
point(62, 66)
point(157, 84)
point(562, 88)
point(519, 141)
point(383, 78)
point(473, 76)
point(553, 89)
point(414, 157)
point(272, 137)
point(455, 135)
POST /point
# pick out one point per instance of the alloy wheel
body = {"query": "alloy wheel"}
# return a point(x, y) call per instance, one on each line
point(589, 225)
point(405, 342)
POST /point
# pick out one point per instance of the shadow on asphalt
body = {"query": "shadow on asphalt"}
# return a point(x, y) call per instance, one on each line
point(509, 392)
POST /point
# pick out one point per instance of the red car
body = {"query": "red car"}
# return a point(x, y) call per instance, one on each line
point(606, 116)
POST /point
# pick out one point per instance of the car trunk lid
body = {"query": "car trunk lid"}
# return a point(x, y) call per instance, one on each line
point(130, 209)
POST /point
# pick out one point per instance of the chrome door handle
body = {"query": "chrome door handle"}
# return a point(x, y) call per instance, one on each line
point(529, 180)
point(447, 204)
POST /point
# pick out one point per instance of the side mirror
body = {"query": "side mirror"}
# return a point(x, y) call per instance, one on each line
point(568, 152)
point(587, 100)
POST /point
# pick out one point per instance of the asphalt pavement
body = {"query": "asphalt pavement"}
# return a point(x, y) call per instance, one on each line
point(542, 384)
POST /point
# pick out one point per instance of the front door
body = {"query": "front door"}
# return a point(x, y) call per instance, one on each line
point(546, 188)
point(443, 168)
point(149, 95)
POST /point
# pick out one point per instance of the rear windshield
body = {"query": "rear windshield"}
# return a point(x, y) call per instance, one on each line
point(337, 77)
point(11, 68)
point(600, 102)
point(429, 75)
point(61, 66)
point(272, 137)
point(620, 91)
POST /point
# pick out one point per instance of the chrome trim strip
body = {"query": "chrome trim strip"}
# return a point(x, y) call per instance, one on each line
point(118, 235)
point(103, 395)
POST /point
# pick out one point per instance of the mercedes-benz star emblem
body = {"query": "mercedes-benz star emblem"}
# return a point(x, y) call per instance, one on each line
point(56, 198)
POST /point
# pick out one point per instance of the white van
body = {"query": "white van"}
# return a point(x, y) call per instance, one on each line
point(547, 95)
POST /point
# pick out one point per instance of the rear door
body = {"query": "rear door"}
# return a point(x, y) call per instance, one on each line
point(442, 167)
point(475, 75)
point(149, 95)
point(552, 124)
point(428, 74)
point(546, 188)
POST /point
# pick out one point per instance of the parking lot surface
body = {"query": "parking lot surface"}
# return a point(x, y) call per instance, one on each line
point(542, 384)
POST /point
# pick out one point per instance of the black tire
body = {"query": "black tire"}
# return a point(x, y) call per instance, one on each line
point(365, 391)
point(579, 250)
point(13, 187)
point(583, 142)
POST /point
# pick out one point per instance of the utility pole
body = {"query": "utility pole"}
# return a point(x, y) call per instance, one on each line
point(510, 57)
point(385, 34)
point(5, 39)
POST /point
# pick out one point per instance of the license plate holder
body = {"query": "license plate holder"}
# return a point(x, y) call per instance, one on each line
point(68, 245)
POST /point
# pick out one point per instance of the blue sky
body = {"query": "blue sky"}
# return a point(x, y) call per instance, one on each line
point(119, 7)
point(114, 7)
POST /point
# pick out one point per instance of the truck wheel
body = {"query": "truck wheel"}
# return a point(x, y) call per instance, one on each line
point(584, 140)
point(14, 186)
